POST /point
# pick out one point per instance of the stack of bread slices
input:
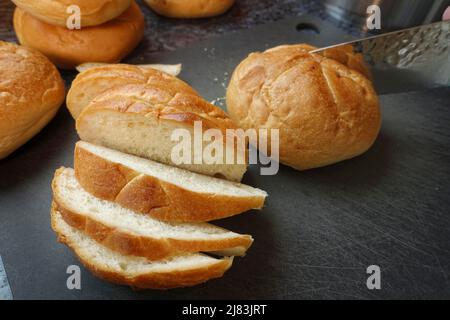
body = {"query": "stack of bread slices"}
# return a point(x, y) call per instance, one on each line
point(132, 220)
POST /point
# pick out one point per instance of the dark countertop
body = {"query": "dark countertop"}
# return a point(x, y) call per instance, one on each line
point(320, 229)
point(169, 34)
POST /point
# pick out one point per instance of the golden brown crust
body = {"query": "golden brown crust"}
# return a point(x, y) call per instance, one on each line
point(159, 102)
point(154, 280)
point(93, 13)
point(96, 81)
point(190, 9)
point(31, 92)
point(109, 42)
point(148, 195)
point(129, 243)
point(169, 280)
point(142, 103)
point(326, 112)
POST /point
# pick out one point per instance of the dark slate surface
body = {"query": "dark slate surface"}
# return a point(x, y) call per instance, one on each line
point(320, 229)
point(163, 34)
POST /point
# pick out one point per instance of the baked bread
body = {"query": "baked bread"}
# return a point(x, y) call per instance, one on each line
point(138, 272)
point(95, 81)
point(130, 233)
point(190, 9)
point(109, 42)
point(325, 111)
point(31, 92)
point(163, 192)
point(93, 13)
point(172, 69)
point(140, 120)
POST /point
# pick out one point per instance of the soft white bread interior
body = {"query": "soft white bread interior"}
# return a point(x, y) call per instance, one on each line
point(138, 272)
point(135, 234)
point(172, 69)
point(141, 119)
point(164, 192)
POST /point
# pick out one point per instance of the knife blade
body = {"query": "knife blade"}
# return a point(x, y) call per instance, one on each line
point(406, 60)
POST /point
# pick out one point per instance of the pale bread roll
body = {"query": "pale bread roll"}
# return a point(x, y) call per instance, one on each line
point(325, 110)
point(109, 42)
point(136, 111)
point(93, 13)
point(31, 92)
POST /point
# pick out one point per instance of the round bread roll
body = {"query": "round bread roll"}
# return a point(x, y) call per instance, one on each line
point(109, 42)
point(325, 111)
point(190, 9)
point(31, 92)
point(93, 13)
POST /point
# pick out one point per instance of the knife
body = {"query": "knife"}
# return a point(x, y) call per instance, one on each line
point(406, 60)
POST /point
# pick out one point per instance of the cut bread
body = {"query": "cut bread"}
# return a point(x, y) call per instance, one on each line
point(130, 233)
point(94, 81)
point(155, 120)
point(163, 192)
point(179, 271)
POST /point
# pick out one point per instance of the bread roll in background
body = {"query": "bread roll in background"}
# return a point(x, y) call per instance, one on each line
point(93, 13)
point(31, 92)
point(109, 42)
point(190, 9)
point(326, 111)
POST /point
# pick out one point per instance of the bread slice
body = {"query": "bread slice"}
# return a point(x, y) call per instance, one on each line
point(164, 192)
point(135, 234)
point(141, 119)
point(179, 271)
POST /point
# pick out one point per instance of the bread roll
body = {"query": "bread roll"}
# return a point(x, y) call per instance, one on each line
point(109, 42)
point(140, 120)
point(326, 111)
point(31, 92)
point(93, 13)
point(95, 81)
point(190, 9)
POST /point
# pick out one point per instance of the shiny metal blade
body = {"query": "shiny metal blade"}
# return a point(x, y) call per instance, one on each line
point(405, 60)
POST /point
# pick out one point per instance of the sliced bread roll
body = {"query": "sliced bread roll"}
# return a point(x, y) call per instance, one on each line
point(95, 81)
point(140, 117)
point(179, 271)
point(163, 192)
point(130, 233)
